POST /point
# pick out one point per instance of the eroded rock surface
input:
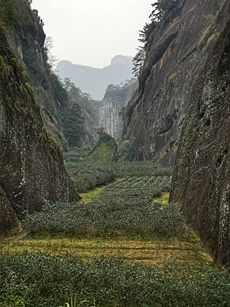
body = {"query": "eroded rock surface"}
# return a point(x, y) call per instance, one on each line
point(109, 112)
point(176, 54)
point(201, 181)
point(32, 171)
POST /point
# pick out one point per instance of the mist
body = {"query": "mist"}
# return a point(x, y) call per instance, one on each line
point(92, 32)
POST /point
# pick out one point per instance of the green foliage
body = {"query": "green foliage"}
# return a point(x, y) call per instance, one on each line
point(105, 150)
point(161, 8)
point(72, 118)
point(75, 155)
point(8, 12)
point(138, 61)
point(72, 124)
point(136, 168)
point(124, 208)
point(87, 175)
point(50, 281)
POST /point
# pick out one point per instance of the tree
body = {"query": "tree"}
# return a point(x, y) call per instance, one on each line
point(50, 58)
point(138, 61)
point(72, 118)
point(8, 11)
point(161, 8)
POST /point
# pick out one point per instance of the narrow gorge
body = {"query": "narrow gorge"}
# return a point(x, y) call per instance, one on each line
point(115, 178)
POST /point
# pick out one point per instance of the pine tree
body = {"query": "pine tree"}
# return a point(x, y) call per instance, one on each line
point(161, 8)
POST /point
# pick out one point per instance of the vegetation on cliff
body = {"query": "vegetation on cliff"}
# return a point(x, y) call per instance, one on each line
point(8, 12)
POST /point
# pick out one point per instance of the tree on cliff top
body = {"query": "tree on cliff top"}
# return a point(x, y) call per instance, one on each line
point(161, 8)
point(7, 11)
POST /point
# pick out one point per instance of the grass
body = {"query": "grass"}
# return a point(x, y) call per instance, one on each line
point(162, 200)
point(91, 195)
point(157, 252)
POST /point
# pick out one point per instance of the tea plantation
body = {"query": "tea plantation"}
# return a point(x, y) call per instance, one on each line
point(122, 245)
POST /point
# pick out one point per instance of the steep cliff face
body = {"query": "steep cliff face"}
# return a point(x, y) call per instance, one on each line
point(176, 53)
point(115, 100)
point(27, 40)
point(32, 171)
point(201, 182)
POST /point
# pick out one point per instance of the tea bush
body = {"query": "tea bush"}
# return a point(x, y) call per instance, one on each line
point(40, 280)
point(129, 169)
point(88, 175)
point(125, 208)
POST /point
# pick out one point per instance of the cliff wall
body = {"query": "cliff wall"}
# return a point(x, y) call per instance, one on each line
point(201, 181)
point(177, 51)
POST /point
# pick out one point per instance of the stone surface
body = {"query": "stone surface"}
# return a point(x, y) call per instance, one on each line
point(201, 181)
point(8, 218)
point(32, 171)
point(176, 53)
point(109, 112)
point(27, 40)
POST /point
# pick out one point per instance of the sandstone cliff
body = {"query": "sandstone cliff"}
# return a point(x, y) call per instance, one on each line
point(115, 100)
point(32, 171)
point(177, 51)
point(27, 39)
point(201, 181)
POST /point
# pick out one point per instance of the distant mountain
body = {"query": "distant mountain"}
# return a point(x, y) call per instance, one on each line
point(95, 80)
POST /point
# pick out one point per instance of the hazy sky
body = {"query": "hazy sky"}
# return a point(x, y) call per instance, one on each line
point(91, 32)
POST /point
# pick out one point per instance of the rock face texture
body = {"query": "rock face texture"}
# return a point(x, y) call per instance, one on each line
point(177, 52)
point(115, 100)
point(32, 171)
point(8, 217)
point(27, 40)
point(201, 181)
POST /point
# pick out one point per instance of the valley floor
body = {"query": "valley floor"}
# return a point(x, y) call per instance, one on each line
point(121, 246)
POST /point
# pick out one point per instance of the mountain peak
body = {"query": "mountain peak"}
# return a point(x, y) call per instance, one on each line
point(121, 60)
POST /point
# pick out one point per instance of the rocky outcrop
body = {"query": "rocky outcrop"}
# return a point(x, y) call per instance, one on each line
point(115, 100)
point(177, 51)
point(201, 181)
point(32, 171)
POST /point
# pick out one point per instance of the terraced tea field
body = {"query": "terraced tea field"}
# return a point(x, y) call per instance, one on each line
point(122, 219)
point(120, 246)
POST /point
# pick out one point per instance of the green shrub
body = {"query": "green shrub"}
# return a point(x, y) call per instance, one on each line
point(8, 11)
point(47, 281)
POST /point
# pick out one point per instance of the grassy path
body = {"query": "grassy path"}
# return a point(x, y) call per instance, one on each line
point(152, 251)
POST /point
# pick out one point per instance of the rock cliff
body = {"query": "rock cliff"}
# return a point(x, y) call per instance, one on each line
point(177, 51)
point(181, 114)
point(201, 181)
point(115, 100)
point(27, 40)
point(32, 171)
